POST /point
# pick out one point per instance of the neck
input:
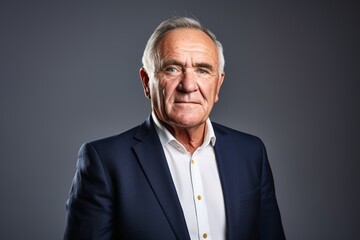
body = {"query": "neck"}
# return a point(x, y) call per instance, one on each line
point(191, 138)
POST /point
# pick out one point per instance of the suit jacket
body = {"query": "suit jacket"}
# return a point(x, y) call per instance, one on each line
point(123, 189)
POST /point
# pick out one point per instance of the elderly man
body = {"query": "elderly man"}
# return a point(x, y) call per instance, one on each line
point(178, 175)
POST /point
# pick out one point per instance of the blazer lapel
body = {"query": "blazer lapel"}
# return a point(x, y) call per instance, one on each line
point(152, 159)
point(224, 160)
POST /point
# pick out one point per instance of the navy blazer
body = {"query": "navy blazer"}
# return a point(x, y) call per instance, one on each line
point(123, 189)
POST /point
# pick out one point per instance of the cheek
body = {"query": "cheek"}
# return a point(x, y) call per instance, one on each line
point(168, 90)
point(209, 92)
point(161, 91)
point(154, 93)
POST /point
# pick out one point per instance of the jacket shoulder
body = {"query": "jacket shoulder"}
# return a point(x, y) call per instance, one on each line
point(233, 133)
point(112, 146)
point(123, 138)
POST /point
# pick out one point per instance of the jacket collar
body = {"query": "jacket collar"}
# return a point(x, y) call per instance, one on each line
point(152, 159)
point(223, 153)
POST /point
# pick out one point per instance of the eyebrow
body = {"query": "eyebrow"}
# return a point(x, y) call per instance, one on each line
point(170, 62)
point(205, 65)
point(177, 63)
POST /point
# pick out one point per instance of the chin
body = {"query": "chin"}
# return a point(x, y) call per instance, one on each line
point(188, 122)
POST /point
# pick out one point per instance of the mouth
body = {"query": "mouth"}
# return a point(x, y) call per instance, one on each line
point(185, 102)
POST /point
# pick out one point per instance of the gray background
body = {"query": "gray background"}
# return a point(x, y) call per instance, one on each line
point(69, 74)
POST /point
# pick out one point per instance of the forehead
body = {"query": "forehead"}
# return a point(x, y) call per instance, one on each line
point(187, 41)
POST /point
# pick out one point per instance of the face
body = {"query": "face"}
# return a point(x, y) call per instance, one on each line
point(185, 88)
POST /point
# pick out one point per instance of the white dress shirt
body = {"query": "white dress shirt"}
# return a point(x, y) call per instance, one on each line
point(197, 182)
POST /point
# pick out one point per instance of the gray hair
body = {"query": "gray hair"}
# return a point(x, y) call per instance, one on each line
point(151, 58)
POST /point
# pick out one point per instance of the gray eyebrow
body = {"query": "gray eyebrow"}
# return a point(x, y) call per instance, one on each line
point(171, 62)
point(205, 65)
point(177, 63)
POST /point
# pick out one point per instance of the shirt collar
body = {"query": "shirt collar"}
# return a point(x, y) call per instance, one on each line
point(167, 138)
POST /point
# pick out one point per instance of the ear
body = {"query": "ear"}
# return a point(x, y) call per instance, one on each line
point(220, 82)
point(145, 82)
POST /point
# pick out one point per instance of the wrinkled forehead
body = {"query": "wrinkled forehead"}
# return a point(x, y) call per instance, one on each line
point(187, 39)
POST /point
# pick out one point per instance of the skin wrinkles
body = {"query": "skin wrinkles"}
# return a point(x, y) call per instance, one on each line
point(186, 87)
point(176, 63)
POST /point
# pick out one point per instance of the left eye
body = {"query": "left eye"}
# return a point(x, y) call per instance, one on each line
point(202, 71)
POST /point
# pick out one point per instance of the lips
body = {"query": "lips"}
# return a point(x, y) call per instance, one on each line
point(186, 102)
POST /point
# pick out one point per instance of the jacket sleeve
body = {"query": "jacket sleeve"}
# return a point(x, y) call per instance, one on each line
point(89, 207)
point(270, 224)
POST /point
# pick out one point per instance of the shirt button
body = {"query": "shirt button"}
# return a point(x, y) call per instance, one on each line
point(192, 161)
point(205, 235)
point(199, 197)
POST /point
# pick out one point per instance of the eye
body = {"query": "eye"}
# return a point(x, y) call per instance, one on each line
point(202, 71)
point(171, 70)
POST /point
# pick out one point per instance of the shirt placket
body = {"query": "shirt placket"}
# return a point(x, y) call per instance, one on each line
point(199, 200)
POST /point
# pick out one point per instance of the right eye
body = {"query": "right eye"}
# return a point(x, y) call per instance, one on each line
point(171, 70)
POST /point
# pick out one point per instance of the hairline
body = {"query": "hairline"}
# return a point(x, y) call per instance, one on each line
point(151, 57)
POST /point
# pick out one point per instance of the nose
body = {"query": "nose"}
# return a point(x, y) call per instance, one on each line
point(188, 82)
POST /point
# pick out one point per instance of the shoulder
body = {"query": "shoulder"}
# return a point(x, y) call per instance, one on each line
point(123, 143)
point(108, 153)
point(115, 145)
point(123, 138)
point(233, 133)
point(237, 141)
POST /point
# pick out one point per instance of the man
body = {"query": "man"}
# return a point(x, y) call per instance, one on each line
point(178, 175)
